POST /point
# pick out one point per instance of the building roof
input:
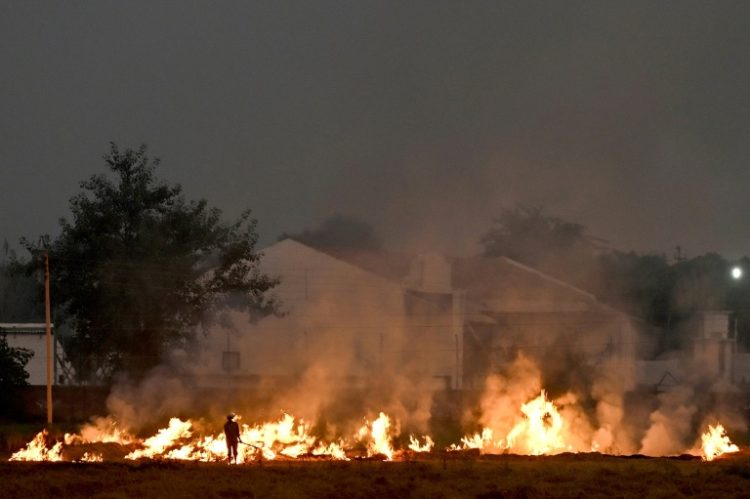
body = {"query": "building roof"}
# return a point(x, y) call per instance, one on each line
point(491, 284)
point(24, 328)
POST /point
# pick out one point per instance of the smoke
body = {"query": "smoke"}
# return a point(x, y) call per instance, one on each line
point(351, 343)
point(158, 397)
point(608, 389)
point(671, 424)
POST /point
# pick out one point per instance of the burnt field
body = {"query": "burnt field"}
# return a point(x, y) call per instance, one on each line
point(570, 475)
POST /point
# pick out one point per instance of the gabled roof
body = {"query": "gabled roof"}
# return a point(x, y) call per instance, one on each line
point(499, 284)
point(492, 284)
point(311, 258)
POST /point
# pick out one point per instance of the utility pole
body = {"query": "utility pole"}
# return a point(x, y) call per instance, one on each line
point(48, 325)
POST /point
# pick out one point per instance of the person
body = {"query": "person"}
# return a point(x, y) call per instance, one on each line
point(232, 434)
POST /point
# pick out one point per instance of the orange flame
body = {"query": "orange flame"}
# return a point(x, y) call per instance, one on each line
point(377, 434)
point(415, 446)
point(541, 432)
point(715, 442)
point(91, 458)
point(539, 428)
point(37, 450)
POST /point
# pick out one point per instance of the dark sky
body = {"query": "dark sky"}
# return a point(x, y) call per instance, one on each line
point(425, 118)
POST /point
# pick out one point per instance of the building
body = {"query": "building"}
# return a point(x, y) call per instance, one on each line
point(340, 318)
point(512, 308)
point(712, 356)
point(32, 336)
point(360, 315)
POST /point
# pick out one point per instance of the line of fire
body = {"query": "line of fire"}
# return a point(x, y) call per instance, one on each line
point(391, 356)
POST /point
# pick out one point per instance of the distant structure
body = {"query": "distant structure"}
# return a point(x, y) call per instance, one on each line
point(712, 357)
point(31, 336)
point(343, 318)
point(450, 320)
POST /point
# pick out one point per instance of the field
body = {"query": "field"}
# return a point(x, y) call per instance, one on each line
point(569, 475)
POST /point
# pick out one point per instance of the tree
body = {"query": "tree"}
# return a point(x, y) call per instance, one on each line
point(666, 294)
point(641, 284)
point(13, 375)
point(528, 235)
point(139, 269)
point(558, 247)
point(21, 298)
point(339, 232)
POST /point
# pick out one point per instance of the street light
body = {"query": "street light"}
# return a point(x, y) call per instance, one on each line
point(736, 272)
point(736, 275)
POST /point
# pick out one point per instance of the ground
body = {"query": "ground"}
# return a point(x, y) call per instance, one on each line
point(486, 477)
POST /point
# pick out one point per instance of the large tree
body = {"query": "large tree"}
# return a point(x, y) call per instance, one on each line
point(20, 296)
point(13, 375)
point(558, 247)
point(665, 293)
point(339, 232)
point(139, 269)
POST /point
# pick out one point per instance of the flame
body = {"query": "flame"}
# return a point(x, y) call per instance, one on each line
point(479, 441)
point(541, 432)
point(538, 428)
point(164, 439)
point(377, 435)
point(715, 442)
point(37, 450)
point(415, 446)
point(104, 430)
point(332, 450)
point(91, 458)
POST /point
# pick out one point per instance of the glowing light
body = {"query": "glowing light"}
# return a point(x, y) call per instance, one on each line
point(736, 272)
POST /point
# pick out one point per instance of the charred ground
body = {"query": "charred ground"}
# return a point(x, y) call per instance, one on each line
point(568, 475)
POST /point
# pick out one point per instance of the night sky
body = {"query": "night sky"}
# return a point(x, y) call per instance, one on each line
point(424, 118)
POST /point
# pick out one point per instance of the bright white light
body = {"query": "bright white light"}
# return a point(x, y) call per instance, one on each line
point(736, 272)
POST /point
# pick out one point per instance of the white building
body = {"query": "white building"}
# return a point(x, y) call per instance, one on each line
point(32, 336)
point(362, 315)
point(345, 320)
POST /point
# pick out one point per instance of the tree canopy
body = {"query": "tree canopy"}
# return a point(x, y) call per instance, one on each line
point(339, 232)
point(21, 299)
point(560, 248)
point(139, 269)
point(13, 375)
point(530, 236)
point(665, 292)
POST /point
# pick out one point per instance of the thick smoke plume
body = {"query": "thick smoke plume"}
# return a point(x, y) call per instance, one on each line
point(345, 349)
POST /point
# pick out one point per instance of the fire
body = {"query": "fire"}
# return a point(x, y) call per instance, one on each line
point(104, 430)
point(715, 442)
point(377, 434)
point(415, 446)
point(164, 439)
point(541, 432)
point(285, 437)
point(37, 450)
point(538, 428)
point(333, 450)
point(479, 441)
point(91, 458)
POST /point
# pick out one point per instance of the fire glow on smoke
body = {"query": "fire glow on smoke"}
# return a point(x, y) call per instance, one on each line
point(539, 429)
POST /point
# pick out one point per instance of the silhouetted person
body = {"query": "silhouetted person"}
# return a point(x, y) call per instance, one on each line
point(232, 434)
